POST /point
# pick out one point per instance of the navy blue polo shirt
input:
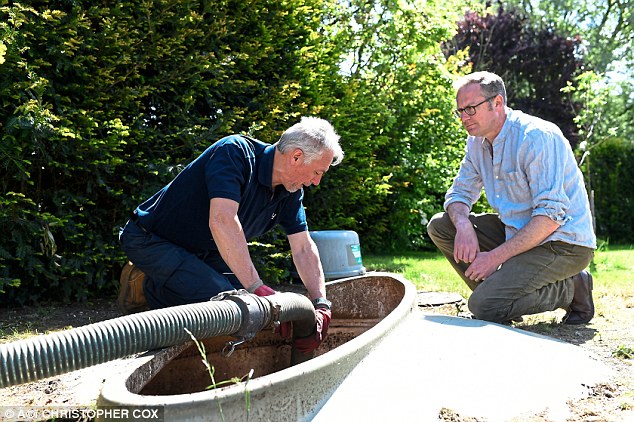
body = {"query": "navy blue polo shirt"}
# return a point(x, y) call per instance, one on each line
point(235, 167)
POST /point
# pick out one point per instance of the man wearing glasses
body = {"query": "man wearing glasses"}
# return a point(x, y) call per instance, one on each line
point(530, 255)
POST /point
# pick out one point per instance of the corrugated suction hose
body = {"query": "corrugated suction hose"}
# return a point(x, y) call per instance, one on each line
point(236, 313)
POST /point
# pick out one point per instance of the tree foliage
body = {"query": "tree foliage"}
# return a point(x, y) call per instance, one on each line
point(606, 28)
point(101, 104)
point(606, 32)
point(612, 173)
point(396, 108)
point(104, 102)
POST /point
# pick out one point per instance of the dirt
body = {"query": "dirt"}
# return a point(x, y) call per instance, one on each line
point(609, 338)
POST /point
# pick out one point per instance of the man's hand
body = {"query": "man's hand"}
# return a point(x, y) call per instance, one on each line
point(264, 290)
point(466, 245)
point(532, 234)
point(285, 328)
point(312, 342)
point(485, 264)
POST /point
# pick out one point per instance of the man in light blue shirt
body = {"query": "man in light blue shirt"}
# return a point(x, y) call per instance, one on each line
point(530, 256)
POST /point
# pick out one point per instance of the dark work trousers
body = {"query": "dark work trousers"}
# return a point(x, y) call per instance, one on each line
point(174, 276)
point(535, 281)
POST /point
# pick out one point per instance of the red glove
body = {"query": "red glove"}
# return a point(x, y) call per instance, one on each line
point(284, 328)
point(264, 290)
point(312, 342)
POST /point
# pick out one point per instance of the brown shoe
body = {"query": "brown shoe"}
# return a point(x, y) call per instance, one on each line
point(131, 298)
point(581, 309)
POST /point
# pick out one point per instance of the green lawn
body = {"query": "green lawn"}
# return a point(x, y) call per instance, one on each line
point(612, 269)
point(429, 271)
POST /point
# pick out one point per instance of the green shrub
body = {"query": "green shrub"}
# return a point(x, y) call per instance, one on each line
point(612, 171)
point(103, 103)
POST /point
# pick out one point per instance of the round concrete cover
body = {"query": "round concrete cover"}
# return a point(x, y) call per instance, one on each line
point(437, 298)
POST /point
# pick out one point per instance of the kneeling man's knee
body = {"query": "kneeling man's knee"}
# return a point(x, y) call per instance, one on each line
point(437, 224)
point(485, 308)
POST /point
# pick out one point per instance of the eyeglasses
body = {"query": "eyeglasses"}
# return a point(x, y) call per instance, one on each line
point(471, 110)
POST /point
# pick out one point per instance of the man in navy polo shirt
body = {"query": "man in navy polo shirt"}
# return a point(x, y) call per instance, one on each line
point(190, 238)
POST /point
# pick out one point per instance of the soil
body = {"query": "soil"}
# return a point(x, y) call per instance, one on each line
point(609, 338)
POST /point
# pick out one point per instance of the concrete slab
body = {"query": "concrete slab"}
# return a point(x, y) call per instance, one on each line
point(474, 368)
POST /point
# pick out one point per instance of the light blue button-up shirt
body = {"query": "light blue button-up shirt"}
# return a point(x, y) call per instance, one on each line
point(529, 170)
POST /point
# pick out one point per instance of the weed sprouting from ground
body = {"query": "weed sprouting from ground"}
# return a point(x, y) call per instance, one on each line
point(210, 370)
point(624, 352)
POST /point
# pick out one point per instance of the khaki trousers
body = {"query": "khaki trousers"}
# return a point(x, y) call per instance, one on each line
point(535, 281)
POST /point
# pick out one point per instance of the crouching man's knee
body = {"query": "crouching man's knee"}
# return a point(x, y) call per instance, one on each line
point(487, 309)
point(440, 227)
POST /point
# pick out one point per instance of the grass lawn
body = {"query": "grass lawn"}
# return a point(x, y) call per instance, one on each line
point(612, 269)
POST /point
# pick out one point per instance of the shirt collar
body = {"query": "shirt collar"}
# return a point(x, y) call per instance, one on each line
point(265, 167)
point(506, 127)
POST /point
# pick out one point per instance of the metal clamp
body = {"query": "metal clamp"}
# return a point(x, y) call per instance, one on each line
point(232, 347)
point(253, 316)
point(276, 310)
point(224, 295)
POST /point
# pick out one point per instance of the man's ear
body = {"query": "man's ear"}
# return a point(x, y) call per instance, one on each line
point(297, 156)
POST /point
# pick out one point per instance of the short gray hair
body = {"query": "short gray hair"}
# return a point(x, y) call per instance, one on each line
point(312, 135)
point(490, 83)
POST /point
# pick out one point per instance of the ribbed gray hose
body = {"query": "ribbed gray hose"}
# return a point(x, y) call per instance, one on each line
point(240, 314)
